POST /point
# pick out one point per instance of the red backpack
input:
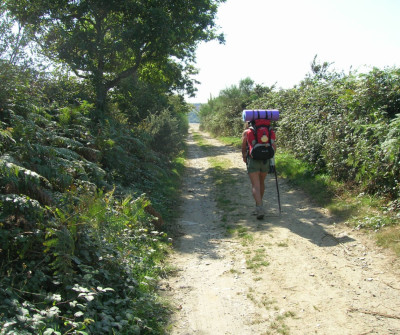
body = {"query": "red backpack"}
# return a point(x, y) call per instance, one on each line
point(259, 138)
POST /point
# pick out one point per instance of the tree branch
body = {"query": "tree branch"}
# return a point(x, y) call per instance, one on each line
point(78, 74)
point(124, 74)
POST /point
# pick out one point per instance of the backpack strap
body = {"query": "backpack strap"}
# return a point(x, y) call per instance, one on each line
point(269, 139)
point(253, 128)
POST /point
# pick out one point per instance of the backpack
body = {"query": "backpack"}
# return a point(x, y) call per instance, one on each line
point(259, 140)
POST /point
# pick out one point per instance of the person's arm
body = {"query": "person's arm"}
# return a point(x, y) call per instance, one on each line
point(244, 146)
point(273, 140)
point(274, 146)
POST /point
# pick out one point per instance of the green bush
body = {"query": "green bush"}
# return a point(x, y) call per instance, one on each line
point(78, 252)
point(343, 125)
point(164, 133)
point(221, 116)
point(90, 273)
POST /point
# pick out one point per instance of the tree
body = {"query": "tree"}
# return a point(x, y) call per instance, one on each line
point(13, 40)
point(106, 41)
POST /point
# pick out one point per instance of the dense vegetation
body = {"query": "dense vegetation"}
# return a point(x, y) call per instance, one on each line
point(343, 125)
point(89, 159)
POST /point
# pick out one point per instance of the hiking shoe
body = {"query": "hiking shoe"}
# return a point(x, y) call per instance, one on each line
point(255, 211)
point(260, 212)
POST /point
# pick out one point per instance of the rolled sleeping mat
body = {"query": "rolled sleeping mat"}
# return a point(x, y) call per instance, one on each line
point(269, 114)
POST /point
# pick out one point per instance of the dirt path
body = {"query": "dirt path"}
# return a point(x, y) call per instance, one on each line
point(298, 273)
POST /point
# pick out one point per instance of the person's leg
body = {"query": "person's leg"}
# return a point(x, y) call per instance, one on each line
point(256, 187)
point(262, 176)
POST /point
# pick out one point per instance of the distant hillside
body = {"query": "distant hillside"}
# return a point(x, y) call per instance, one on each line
point(193, 117)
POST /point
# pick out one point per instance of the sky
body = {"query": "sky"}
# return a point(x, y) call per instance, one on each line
point(275, 41)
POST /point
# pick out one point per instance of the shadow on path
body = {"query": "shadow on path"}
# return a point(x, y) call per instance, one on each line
point(202, 218)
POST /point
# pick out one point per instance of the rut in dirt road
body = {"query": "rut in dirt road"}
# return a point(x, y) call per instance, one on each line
point(298, 273)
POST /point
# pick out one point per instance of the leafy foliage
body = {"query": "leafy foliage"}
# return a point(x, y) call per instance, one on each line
point(221, 115)
point(344, 125)
point(79, 252)
point(13, 44)
point(106, 42)
point(100, 263)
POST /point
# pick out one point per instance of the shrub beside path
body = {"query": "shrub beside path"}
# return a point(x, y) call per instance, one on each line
point(298, 273)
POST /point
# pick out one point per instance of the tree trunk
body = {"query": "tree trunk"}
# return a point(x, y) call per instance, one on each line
point(100, 105)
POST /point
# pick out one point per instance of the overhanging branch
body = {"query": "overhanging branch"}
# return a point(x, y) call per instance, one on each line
point(124, 74)
point(79, 75)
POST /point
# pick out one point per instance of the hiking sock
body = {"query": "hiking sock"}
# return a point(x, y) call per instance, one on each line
point(260, 212)
point(255, 212)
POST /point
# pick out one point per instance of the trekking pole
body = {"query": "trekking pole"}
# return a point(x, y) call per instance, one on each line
point(273, 167)
point(277, 190)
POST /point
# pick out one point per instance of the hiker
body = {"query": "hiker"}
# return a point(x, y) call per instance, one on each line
point(257, 169)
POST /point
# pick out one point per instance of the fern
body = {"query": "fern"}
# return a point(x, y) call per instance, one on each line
point(18, 179)
point(69, 252)
point(5, 136)
point(42, 120)
point(60, 243)
point(15, 204)
point(62, 141)
point(65, 153)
